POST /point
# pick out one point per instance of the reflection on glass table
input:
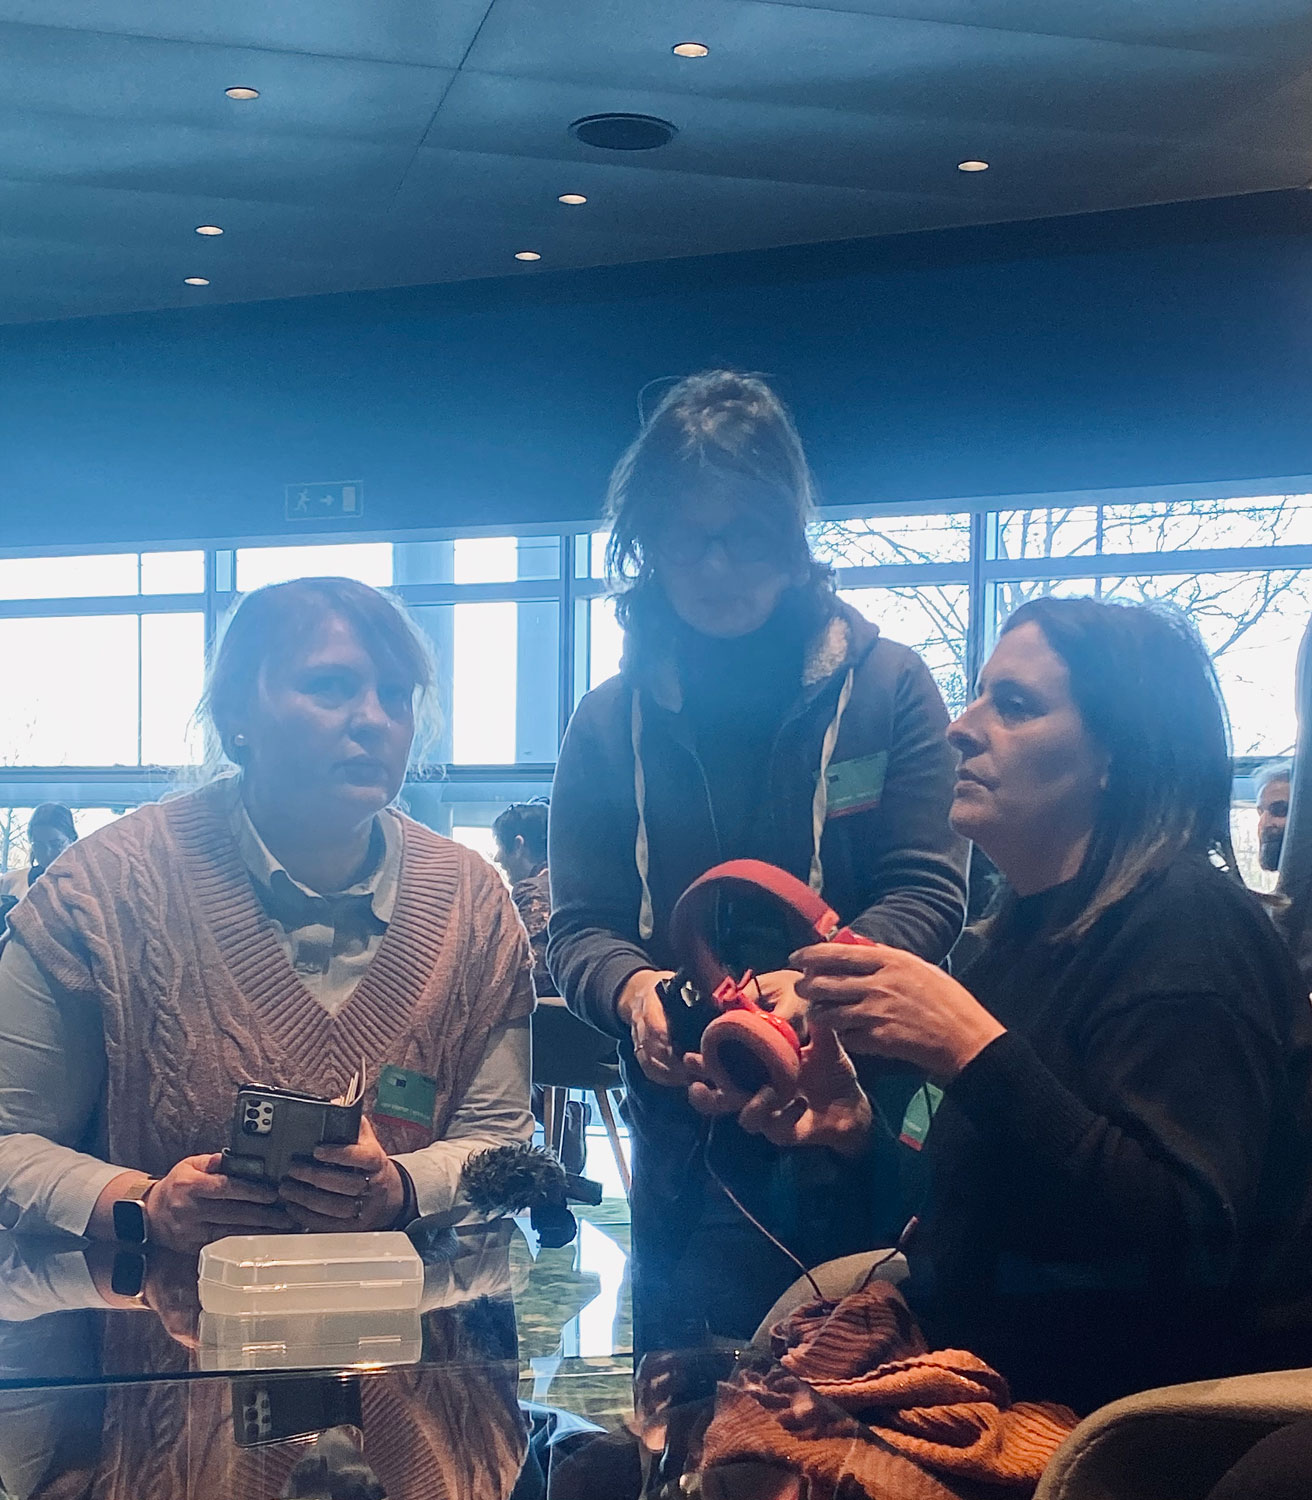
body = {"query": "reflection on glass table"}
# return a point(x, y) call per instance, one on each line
point(114, 1385)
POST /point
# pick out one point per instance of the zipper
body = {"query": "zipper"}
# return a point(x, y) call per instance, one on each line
point(715, 827)
point(798, 711)
point(710, 806)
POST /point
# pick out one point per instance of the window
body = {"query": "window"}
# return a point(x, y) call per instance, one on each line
point(502, 559)
point(100, 690)
point(369, 562)
point(592, 555)
point(107, 682)
point(172, 678)
point(932, 620)
point(498, 680)
point(892, 540)
point(100, 575)
point(1167, 526)
point(605, 641)
point(477, 836)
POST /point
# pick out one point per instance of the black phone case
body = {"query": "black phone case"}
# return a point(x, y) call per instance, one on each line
point(687, 1012)
point(273, 1409)
point(274, 1128)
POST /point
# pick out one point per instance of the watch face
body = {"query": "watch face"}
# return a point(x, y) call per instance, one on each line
point(129, 1222)
point(128, 1276)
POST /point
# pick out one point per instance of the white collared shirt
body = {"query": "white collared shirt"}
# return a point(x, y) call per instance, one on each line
point(330, 959)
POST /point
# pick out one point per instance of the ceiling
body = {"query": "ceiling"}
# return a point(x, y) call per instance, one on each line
point(399, 142)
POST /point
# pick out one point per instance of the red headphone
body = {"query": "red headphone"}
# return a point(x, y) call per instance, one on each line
point(746, 1046)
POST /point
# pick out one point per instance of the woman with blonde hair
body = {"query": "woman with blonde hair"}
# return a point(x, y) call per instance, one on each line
point(284, 926)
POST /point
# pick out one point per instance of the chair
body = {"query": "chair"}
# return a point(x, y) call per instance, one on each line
point(1174, 1443)
point(570, 1054)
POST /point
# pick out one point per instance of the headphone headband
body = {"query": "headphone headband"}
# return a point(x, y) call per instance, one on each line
point(803, 914)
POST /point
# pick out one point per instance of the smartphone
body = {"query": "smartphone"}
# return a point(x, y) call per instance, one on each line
point(273, 1410)
point(272, 1129)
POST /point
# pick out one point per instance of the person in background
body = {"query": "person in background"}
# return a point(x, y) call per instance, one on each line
point(756, 715)
point(1120, 1187)
point(283, 925)
point(520, 833)
point(50, 831)
point(1272, 781)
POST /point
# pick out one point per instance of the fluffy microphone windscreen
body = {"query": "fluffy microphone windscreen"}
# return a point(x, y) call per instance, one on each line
point(506, 1180)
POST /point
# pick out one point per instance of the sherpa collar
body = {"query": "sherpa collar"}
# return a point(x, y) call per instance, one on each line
point(844, 639)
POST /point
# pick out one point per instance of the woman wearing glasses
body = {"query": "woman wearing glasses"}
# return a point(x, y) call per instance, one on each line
point(755, 716)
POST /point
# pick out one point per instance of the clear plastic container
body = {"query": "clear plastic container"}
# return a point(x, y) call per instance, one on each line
point(316, 1273)
point(308, 1341)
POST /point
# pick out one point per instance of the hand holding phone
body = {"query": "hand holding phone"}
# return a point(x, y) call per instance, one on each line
point(197, 1201)
point(274, 1129)
point(345, 1187)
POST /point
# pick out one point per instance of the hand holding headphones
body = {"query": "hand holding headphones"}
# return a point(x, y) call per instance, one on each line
point(642, 1009)
point(888, 1003)
point(826, 1106)
point(746, 1037)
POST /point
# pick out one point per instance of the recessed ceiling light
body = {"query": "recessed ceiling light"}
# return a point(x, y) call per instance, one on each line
point(242, 92)
point(972, 166)
point(196, 280)
point(208, 229)
point(573, 198)
point(527, 255)
point(691, 49)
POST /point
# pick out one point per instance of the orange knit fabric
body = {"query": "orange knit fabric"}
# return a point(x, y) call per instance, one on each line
point(859, 1400)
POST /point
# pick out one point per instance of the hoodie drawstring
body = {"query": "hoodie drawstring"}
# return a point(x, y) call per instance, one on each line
point(820, 802)
point(641, 853)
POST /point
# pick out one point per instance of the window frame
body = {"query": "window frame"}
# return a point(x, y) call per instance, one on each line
point(574, 587)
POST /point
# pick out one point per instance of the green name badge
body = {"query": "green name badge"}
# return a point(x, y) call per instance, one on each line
point(919, 1116)
point(407, 1096)
point(856, 785)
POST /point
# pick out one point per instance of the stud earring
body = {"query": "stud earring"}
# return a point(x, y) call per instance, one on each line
point(239, 739)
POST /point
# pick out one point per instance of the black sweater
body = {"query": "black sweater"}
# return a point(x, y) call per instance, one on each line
point(1120, 1183)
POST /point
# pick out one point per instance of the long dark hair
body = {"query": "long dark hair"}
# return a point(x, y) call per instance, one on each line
point(1147, 693)
point(717, 430)
point(269, 621)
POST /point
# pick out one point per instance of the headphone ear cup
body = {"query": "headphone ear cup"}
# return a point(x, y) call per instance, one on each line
point(742, 1052)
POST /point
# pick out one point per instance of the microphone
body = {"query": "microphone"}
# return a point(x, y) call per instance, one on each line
point(507, 1180)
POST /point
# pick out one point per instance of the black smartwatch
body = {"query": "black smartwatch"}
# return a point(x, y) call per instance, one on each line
point(130, 1214)
point(127, 1277)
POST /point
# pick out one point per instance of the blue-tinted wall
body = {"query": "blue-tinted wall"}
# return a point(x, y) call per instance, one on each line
point(1159, 346)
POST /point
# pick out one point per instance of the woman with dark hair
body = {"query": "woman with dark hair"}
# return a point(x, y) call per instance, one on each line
point(1121, 1161)
point(284, 925)
point(755, 715)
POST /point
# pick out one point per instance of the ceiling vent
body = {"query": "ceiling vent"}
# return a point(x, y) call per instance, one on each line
point(617, 132)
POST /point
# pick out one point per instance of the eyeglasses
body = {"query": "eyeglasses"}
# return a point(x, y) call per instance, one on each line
point(743, 546)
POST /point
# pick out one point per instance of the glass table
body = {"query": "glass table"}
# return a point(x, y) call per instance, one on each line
point(505, 1383)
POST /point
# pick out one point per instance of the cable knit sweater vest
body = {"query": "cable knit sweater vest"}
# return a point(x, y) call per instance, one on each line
point(154, 919)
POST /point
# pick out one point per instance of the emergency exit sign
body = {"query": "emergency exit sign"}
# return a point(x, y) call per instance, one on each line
point(340, 500)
